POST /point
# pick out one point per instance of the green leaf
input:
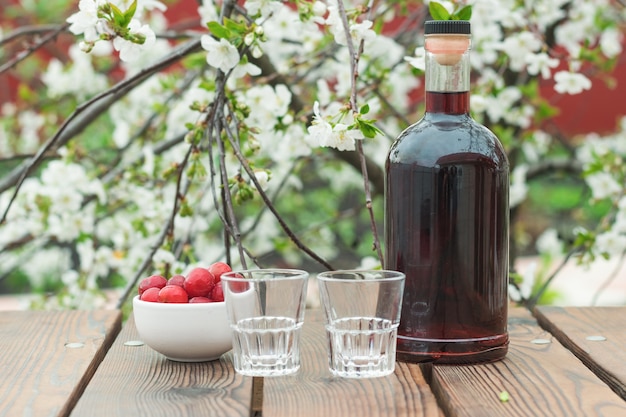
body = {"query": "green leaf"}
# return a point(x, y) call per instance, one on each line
point(545, 111)
point(369, 130)
point(128, 15)
point(118, 16)
point(365, 109)
point(465, 13)
point(185, 210)
point(530, 89)
point(437, 11)
point(218, 30)
point(233, 26)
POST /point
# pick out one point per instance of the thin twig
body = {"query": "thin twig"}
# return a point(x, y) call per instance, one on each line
point(354, 66)
point(29, 30)
point(534, 299)
point(610, 279)
point(270, 205)
point(32, 48)
point(167, 230)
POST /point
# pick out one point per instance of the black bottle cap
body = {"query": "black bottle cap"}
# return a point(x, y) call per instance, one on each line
point(460, 27)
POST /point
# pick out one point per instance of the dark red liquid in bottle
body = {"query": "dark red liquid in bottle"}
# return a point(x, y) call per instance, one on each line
point(446, 228)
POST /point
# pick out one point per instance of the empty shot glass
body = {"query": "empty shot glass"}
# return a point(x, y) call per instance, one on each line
point(362, 313)
point(265, 308)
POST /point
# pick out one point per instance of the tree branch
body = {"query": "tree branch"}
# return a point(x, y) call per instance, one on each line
point(86, 113)
point(32, 48)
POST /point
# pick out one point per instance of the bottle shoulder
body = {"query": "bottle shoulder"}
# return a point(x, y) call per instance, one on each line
point(440, 139)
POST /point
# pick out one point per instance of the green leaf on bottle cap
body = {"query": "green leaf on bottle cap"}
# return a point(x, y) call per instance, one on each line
point(465, 13)
point(437, 11)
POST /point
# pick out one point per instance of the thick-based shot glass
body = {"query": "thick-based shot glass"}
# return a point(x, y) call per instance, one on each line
point(362, 310)
point(265, 308)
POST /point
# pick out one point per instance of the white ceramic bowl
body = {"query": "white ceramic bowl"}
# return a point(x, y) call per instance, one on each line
point(184, 332)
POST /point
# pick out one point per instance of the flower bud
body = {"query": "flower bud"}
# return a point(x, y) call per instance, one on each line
point(249, 38)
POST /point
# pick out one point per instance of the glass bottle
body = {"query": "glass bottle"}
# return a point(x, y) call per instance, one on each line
point(447, 217)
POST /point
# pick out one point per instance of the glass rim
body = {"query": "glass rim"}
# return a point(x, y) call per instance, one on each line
point(289, 274)
point(389, 275)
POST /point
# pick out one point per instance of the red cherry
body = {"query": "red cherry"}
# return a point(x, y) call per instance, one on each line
point(173, 294)
point(151, 295)
point(194, 300)
point(219, 268)
point(153, 281)
point(176, 280)
point(237, 286)
point(218, 293)
point(199, 282)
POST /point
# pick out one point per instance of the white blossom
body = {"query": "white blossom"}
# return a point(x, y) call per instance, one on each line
point(208, 11)
point(478, 103)
point(541, 63)
point(592, 147)
point(603, 185)
point(130, 51)
point(320, 129)
point(162, 257)
point(263, 7)
point(518, 189)
point(267, 104)
point(342, 138)
point(611, 242)
point(151, 5)
point(67, 227)
point(319, 8)
point(549, 243)
point(288, 38)
point(611, 42)
point(80, 78)
point(220, 54)
point(498, 106)
point(64, 199)
point(30, 123)
point(419, 59)
point(620, 220)
point(486, 36)
point(358, 32)
point(263, 177)
point(518, 46)
point(546, 12)
point(534, 149)
point(86, 19)
point(571, 83)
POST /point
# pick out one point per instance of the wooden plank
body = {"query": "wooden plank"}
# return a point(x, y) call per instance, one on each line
point(313, 391)
point(540, 379)
point(137, 381)
point(596, 335)
point(47, 358)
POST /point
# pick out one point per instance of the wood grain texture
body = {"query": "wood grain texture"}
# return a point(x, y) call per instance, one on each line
point(313, 391)
point(541, 380)
point(137, 381)
point(572, 326)
point(41, 374)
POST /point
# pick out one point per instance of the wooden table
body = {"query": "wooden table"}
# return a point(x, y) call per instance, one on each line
point(561, 362)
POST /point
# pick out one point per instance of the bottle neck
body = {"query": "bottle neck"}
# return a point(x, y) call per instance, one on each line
point(447, 74)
